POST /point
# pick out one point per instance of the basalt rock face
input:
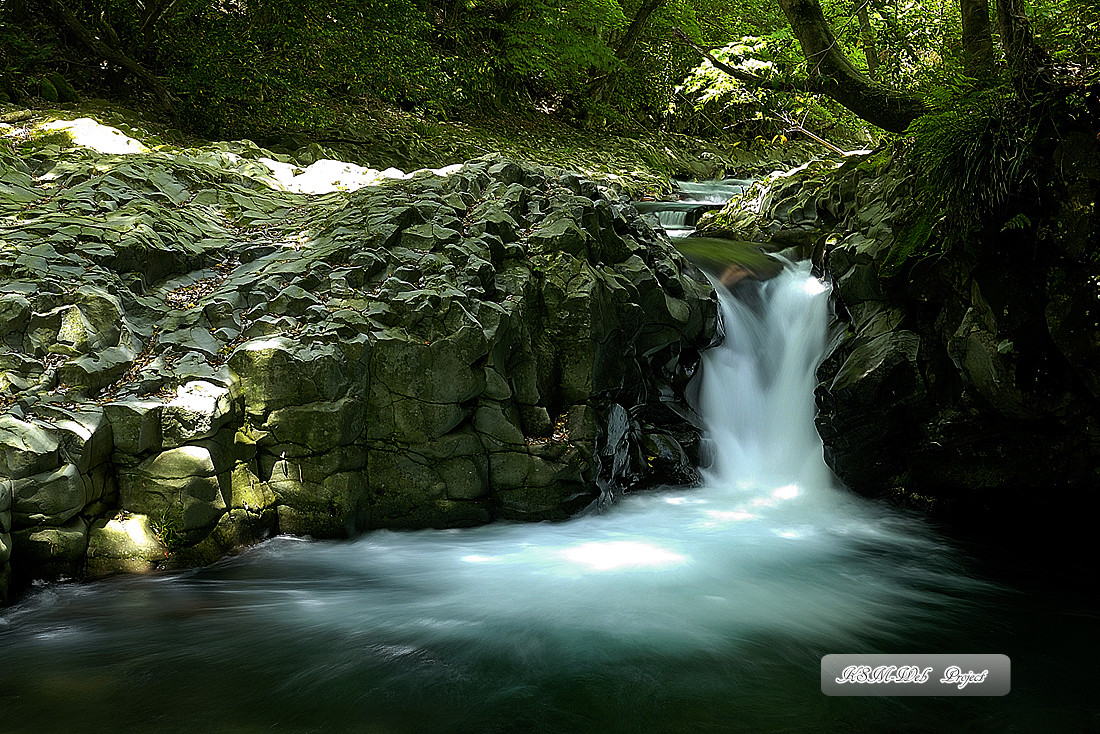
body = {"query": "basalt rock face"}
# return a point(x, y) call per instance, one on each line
point(194, 357)
point(960, 384)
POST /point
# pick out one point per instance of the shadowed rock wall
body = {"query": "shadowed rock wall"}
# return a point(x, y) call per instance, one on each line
point(962, 383)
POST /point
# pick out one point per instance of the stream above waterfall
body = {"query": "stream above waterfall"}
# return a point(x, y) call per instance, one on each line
point(683, 609)
point(679, 215)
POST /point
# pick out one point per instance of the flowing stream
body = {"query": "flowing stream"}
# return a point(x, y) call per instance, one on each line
point(683, 610)
point(678, 218)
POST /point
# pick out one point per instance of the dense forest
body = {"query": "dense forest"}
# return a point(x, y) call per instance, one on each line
point(231, 68)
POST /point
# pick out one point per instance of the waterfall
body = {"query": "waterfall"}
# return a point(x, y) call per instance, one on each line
point(673, 221)
point(757, 396)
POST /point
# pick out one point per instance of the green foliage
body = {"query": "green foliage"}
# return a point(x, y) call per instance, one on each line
point(1069, 29)
point(27, 52)
point(912, 242)
point(714, 95)
point(283, 65)
point(1020, 221)
point(975, 155)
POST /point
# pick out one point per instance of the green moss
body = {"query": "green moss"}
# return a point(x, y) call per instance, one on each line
point(47, 91)
point(42, 138)
point(714, 252)
point(912, 242)
point(63, 90)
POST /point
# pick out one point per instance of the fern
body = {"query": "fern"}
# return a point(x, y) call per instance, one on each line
point(975, 156)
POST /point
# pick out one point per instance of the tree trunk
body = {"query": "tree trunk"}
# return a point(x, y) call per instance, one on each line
point(637, 25)
point(867, 36)
point(977, 38)
point(89, 39)
point(1028, 62)
point(839, 77)
point(601, 88)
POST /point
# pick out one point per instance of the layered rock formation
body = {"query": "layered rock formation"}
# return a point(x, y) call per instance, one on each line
point(196, 356)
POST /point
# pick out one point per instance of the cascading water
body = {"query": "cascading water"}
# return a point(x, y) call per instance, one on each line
point(679, 610)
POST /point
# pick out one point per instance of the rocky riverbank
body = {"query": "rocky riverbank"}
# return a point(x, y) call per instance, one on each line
point(198, 354)
point(961, 384)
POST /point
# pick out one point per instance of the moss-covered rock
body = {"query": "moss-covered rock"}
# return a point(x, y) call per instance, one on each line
point(963, 377)
point(125, 544)
point(64, 91)
point(245, 358)
point(47, 90)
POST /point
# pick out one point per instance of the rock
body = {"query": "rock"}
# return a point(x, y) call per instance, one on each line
point(64, 91)
point(135, 424)
point(50, 498)
point(198, 411)
point(974, 350)
point(559, 233)
point(328, 509)
point(5, 505)
point(95, 371)
point(320, 427)
point(178, 489)
point(52, 551)
point(419, 360)
point(15, 311)
point(123, 545)
point(965, 382)
point(47, 91)
point(85, 437)
point(276, 372)
point(1073, 319)
point(25, 448)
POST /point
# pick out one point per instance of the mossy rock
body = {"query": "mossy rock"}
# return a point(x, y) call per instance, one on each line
point(47, 91)
point(716, 255)
point(64, 90)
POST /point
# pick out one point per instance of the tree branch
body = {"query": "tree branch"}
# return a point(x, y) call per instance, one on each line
point(747, 77)
point(89, 39)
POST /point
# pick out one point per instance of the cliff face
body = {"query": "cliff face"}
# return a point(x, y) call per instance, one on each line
point(197, 355)
point(965, 384)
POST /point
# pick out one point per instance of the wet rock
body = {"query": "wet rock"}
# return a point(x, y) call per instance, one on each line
point(50, 498)
point(958, 383)
point(51, 551)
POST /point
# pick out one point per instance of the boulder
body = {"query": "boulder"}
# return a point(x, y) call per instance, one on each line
point(178, 489)
point(49, 551)
point(124, 544)
point(49, 498)
point(417, 359)
point(26, 448)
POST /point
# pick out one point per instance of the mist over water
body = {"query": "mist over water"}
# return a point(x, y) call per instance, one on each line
point(681, 608)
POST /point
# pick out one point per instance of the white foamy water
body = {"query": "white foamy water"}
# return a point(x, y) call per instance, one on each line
point(520, 621)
